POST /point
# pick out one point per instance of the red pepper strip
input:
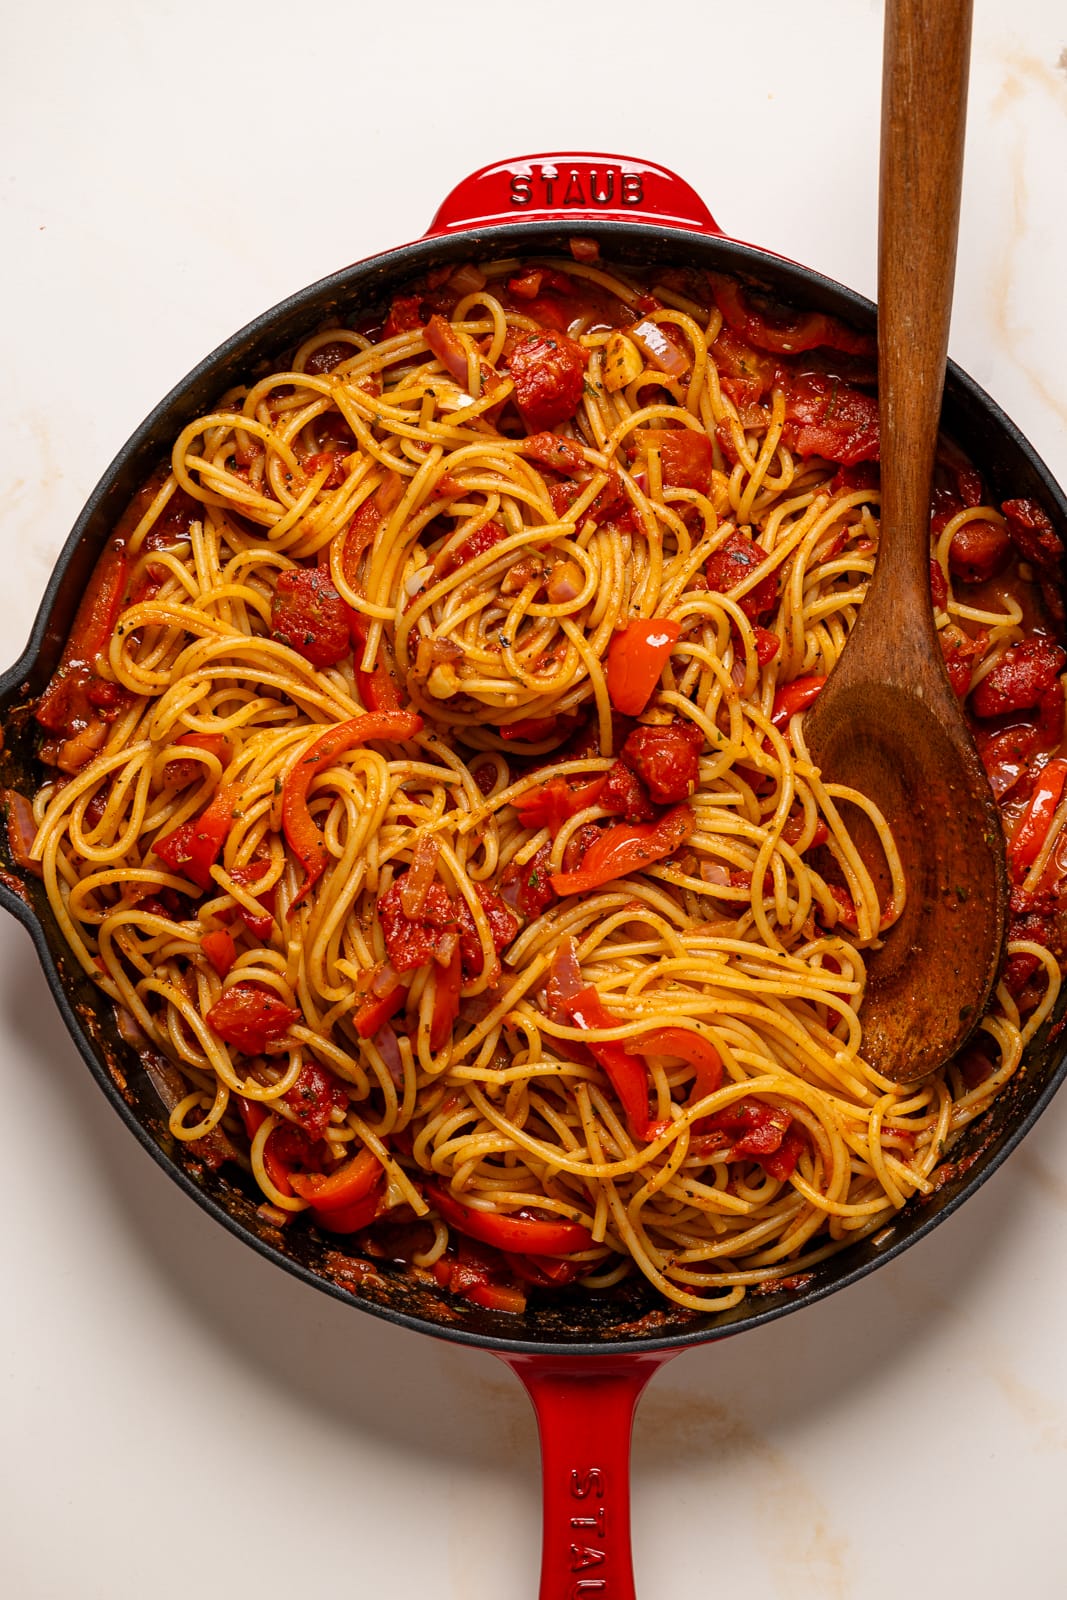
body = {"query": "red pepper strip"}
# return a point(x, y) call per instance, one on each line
point(551, 804)
point(1036, 820)
point(526, 1235)
point(378, 688)
point(349, 1219)
point(375, 1013)
point(351, 1182)
point(625, 848)
point(794, 697)
point(252, 1114)
point(99, 608)
point(497, 1297)
point(636, 658)
point(193, 848)
point(303, 836)
point(628, 1077)
point(691, 1047)
point(447, 982)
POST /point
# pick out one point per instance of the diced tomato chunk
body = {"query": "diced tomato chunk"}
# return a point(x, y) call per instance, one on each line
point(665, 758)
point(824, 417)
point(503, 925)
point(979, 550)
point(731, 564)
point(413, 941)
point(960, 651)
point(534, 886)
point(405, 315)
point(251, 1016)
point(313, 1097)
point(685, 457)
point(548, 371)
point(309, 615)
point(1006, 755)
point(1020, 677)
point(624, 795)
point(1032, 534)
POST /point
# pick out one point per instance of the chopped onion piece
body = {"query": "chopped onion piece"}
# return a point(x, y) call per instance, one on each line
point(566, 582)
point(417, 580)
point(714, 872)
point(660, 350)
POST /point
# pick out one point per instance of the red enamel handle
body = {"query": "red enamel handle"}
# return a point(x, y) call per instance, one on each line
point(585, 1410)
point(572, 188)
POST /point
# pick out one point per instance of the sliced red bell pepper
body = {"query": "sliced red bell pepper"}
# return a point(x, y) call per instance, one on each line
point(349, 1219)
point(551, 804)
point(304, 838)
point(793, 697)
point(525, 1235)
point(342, 1188)
point(376, 1011)
point(194, 847)
point(1032, 831)
point(628, 1076)
point(636, 658)
point(447, 982)
point(624, 848)
point(378, 689)
point(690, 1047)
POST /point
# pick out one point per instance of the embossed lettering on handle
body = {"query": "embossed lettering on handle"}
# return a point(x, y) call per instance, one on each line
point(585, 1408)
point(573, 188)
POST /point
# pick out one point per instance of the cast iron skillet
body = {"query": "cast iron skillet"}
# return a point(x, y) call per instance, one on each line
point(584, 1361)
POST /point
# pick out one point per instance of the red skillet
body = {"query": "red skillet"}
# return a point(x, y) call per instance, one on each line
point(584, 1362)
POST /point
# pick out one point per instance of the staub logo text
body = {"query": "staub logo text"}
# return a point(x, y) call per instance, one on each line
point(576, 186)
point(588, 1554)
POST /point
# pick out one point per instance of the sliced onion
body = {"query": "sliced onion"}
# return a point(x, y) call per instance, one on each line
point(384, 981)
point(130, 1030)
point(565, 972)
point(268, 1213)
point(467, 279)
point(714, 872)
point(587, 250)
point(415, 884)
point(417, 580)
point(166, 1080)
point(661, 351)
point(385, 1042)
point(21, 831)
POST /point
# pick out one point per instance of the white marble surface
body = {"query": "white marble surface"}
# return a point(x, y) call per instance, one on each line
point(179, 1417)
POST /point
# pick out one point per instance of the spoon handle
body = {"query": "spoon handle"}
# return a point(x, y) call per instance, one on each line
point(924, 107)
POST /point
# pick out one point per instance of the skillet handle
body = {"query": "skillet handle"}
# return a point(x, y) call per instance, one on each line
point(572, 188)
point(585, 1410)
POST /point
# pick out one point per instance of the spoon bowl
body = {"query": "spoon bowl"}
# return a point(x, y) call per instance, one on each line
point(887, 722)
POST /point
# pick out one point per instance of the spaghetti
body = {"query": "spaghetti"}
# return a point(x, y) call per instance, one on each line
point(430, 793)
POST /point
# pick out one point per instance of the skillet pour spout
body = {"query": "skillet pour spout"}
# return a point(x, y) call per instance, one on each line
point(574, 1350)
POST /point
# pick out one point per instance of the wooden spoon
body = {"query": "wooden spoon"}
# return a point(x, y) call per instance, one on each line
point(887, 723)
